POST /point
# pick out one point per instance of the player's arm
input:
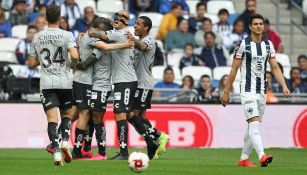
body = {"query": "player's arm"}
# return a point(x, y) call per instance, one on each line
point(109, 47)
point(98, 34)
point(85, 64)
point(74, 56)
point(139, 45)
point(279, 76)
point(33, 62)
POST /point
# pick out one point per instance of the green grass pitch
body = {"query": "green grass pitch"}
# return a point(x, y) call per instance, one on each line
point(174, 162)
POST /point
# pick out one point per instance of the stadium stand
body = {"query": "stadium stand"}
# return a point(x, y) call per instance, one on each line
point(19, 31)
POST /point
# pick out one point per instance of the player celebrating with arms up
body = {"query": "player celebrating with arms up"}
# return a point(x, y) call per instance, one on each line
point(49, 49)
point(251, 56)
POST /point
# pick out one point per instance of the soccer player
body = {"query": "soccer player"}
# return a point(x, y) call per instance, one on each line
point(251, 56)
point(49, 49)
point(83, 79)
point(125, 82)
point(144, 57)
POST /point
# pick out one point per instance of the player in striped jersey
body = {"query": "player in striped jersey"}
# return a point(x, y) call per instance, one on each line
point(251, 56)
point(49, 49)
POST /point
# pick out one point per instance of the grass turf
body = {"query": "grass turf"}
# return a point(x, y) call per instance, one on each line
point(175, 162)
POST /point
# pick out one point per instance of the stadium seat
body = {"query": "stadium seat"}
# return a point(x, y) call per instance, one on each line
point(19, 31)
point(154, 31)
point(283, 59)
point(196, 71)
point(219, 72)
point(105, 15)
point(109, 6)
point(86, 3)
point(213, 7)
point(287, 72)
point(6, 56)
point(173, 58)
point(7, 15)
point(214, 18)
point(15, 68)
point(8, 44)
point(192, 5)
point(156, 18)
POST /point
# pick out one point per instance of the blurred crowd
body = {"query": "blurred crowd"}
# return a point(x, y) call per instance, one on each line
point(201, 41)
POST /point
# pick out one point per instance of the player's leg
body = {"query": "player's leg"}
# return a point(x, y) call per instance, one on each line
point(123, 93)
point(98, 108)
point(246, 151)
point(81, 93)
point(87, 148)
point(50, 103)
point(142, 102)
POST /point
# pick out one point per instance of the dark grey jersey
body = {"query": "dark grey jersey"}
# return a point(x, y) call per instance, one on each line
point(122, 59)
point(86, 49)
point(102, 71)
point(51, 46)
point(144, 62)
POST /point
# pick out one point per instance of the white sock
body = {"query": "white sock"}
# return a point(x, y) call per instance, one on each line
point(255, 137)
point(248, 146)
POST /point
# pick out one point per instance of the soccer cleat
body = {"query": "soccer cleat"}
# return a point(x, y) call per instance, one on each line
point(49, 149)
point(76, 155)
point(246, 163)
point(65, 149)
point(99, 157)
point(152, 149)
point(58, 159)
point(163, 139)
point(87, 154)
point(119, 156)
point(265, 160)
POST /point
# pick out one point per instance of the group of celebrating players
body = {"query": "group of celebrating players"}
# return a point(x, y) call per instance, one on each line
point(103, 53)
point(106, 53)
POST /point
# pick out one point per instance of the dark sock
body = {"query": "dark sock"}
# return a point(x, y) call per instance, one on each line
point(137, 123)
point(101, 138)
point(60, 132)
point(88, 136)
point(79, 139)
point(65, 128)
point(53, 136)
point(122, 133)
point(151, 130)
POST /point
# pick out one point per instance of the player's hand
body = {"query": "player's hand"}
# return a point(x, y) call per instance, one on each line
point(129, 35)
point(225, 99)
point(80, 66)
point(286, 92)
point(130, 43)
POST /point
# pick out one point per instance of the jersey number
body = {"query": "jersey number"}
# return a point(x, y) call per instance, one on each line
point(58, 53)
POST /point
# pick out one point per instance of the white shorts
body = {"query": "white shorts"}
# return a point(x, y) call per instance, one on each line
point(253, 104)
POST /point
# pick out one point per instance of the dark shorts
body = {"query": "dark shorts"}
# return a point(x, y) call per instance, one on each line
point(99, 100)
point(81, 95)
point(123, 96)
point(61, 98)
point(142, 99)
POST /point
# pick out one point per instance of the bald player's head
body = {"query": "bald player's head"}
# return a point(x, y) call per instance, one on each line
point(121, 19)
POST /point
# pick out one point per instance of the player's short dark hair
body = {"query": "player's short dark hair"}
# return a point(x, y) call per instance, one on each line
point(101, 20)
point(300, 57)
point(209, 33)
point(204, 76)
point(53, 13)
point(146, 22)
point(223, 11)
point(176, 5)
point(201, 4)
point(188, 44)
point(32, 27)
point(255, 16)
point(168, 68)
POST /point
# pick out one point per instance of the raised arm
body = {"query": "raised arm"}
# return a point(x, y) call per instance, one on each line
point(139, 45)
point(98, 34)
point(108, 47)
